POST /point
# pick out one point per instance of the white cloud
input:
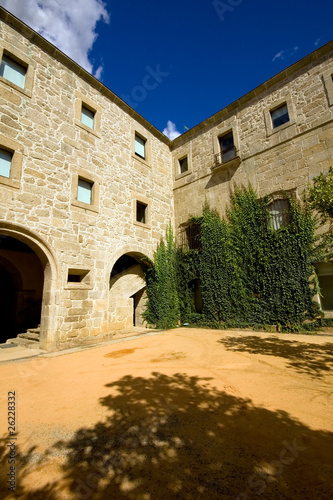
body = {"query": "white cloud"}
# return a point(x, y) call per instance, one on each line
point(317, 42)
point(283, 54)
point(171, 130)
point(69, 24)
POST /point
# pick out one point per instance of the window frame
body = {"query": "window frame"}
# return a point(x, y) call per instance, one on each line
point(272, 111)
point(138, 198)
point(143, 135)
point(93, 112)
point(17, 150)
point(92, 179)
point(144, 206)
point(220, 139)
point(19, 58)
point(183, 152)
point(138, 136)
point(223, 130)
point(282, 195)
point(85, 283)
point(81, 101)
point(270, 130)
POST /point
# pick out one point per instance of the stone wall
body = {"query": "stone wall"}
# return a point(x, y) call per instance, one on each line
point(52, 149)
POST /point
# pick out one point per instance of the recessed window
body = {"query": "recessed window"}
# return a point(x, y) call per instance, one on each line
point(227, 147)
point(141, 212)
point(13, 71)
point(5, 163)
point(140, 146)
point(279, 213)
point(87, 117)
point(84, 191)
point(183, 165)
point(280, 115)
point(78, 276)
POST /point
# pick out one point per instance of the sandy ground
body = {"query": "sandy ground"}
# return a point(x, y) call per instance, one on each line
point(186, 414)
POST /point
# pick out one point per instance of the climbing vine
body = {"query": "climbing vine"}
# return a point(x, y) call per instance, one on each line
point(249, 273)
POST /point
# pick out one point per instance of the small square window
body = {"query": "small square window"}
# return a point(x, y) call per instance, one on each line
point(5, 163)
point(84, 191)
point(87, 117)
point(183, 165)
point(140, 146)
point(280, 116)
point(227, 147)
point(279, 213)
point(13, 71)
point(141, 212)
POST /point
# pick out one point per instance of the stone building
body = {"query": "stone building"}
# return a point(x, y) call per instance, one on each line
point(88, 186)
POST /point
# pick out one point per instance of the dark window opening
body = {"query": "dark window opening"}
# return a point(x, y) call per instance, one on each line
point(227, 147)
point(280, 116)
point(191, 237)
point(77, 275)
point(74, 278)
point(183, 165)
point(141, 215)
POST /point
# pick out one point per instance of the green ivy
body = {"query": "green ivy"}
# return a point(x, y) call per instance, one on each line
point(162, 305)
point(250, 274)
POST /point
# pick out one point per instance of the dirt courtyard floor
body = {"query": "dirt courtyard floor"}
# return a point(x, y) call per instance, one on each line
point(184, 414)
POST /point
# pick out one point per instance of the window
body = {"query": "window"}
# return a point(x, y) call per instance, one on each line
point(227, 147)
point(13, 71)
point(140, 146)
point(87, 117)
point(279, 213)
point(84, 191)
point(280, 115)
point(141, 212)
point(191, 236)
point(78, 279)
point(183, 165)
point(5, 163)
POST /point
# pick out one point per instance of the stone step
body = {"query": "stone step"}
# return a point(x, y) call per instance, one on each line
point(30, 344)
point(29, 335)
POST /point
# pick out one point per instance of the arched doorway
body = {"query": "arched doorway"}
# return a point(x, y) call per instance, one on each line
point(28, 283)
point(127, 292)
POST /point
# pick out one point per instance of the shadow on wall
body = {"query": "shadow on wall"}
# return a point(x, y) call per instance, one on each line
point(311, 359)
point(176, 437)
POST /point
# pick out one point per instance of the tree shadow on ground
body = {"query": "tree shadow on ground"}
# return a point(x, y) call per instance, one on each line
point(177, 437)
point(312, 359)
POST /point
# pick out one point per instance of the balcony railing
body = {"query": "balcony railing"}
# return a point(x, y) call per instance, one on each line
point(225, 156)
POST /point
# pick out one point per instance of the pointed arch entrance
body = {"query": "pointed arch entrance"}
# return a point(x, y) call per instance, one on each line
point(28, 284)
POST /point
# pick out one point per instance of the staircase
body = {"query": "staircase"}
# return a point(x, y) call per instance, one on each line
point(30, 338)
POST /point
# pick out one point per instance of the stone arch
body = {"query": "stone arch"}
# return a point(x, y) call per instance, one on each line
point(48, 334)
point(132, 250)
point(127, 290)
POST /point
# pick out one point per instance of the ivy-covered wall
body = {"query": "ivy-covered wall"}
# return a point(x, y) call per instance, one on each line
point(249, 273)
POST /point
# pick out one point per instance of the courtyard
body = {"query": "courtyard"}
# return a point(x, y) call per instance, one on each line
point(183, 414)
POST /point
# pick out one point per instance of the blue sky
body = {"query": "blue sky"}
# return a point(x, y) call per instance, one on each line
point(180, 61)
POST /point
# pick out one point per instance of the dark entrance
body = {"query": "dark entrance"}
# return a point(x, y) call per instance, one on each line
point(21, 288)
